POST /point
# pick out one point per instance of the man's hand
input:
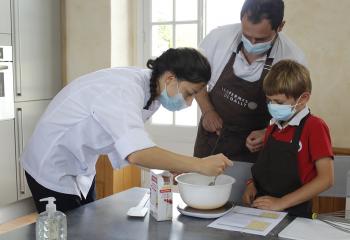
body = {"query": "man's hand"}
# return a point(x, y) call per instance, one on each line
point(255, 140)
point(212, 122)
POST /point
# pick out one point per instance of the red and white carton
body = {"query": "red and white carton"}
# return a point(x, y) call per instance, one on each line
point(161, 198)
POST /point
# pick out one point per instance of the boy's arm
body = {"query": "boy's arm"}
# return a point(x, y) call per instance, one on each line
point(323, 181)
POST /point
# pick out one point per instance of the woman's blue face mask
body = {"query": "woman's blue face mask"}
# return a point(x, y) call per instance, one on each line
point(175, 103)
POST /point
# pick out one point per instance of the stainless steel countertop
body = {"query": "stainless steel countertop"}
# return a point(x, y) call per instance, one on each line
point(107, 219)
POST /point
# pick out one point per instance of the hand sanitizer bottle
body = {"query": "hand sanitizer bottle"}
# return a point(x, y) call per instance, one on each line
point(51, 224)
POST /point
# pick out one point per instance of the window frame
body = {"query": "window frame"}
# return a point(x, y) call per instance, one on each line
point(144, 9)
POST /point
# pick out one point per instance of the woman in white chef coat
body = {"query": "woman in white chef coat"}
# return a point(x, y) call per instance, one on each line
point(104, 113)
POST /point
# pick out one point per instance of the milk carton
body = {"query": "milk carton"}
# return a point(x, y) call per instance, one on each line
point(161, 196)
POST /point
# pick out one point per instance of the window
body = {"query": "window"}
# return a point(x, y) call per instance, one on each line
point(176, 23)
point(183, 23)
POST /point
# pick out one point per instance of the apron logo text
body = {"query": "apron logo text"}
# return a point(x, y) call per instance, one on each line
point(232, 97)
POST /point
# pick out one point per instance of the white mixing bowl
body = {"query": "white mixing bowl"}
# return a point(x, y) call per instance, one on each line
point(196, 193)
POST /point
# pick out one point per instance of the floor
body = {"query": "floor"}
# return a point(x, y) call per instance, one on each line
point(18, 222)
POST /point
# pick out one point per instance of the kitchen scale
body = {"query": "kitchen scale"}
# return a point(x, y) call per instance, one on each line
point(200, 213)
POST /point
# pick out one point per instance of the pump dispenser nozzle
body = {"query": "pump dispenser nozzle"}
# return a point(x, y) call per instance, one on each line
point(51, 224)
point(50, 206)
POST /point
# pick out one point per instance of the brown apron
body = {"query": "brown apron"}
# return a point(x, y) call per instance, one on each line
point(242, 106)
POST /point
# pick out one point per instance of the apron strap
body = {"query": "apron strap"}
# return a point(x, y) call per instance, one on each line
point(299, 130)
point(267, 64)
point(267, 67)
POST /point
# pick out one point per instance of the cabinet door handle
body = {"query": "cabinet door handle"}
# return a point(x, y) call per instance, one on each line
point(3, 67)
point(20, 149)
point(22, 187)
point(18, 81)
point(18, 87)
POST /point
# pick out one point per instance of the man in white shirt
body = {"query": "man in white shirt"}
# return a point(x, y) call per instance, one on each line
point(234, 111)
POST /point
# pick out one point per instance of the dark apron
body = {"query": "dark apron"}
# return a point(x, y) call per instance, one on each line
point(242, 106)
point(276, 171)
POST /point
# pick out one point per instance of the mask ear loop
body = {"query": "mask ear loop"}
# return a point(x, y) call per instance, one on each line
point(166, 90)
point(178, 92)
point(297, 103)
point(178, 89)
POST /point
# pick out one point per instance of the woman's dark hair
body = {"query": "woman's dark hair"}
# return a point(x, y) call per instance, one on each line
point(187, 64)
point(256, 10)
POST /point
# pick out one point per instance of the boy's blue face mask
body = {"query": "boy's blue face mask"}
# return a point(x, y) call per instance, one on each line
point(174, 103)
point(257, 48)
point(282, 112)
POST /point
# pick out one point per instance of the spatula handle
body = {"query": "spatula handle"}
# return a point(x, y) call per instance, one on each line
point(144, 200)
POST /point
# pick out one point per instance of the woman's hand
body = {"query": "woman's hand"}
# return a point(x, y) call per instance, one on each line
point(249, 194)
point(214, 165)
point(174, 175)
point(212, 122)
point(269, 203)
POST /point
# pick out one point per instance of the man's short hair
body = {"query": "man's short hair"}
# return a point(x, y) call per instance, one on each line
point(257, 10)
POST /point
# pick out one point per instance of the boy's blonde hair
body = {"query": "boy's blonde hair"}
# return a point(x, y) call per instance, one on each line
point(289, 78)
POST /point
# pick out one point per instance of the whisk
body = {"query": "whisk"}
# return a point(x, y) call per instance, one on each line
point(335, 219)
point(213, 151)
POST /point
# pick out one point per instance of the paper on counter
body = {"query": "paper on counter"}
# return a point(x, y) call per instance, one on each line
point(308, 229)
point(249, 220)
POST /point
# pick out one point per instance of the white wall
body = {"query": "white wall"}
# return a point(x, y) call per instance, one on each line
point(122, 33)
point(88, 36)
point(103, 33)
point(99, 34)
point(321, 29)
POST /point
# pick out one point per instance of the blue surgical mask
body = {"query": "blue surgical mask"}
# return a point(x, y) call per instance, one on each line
point(174, 103)
point(257, 48)
point(282, 112)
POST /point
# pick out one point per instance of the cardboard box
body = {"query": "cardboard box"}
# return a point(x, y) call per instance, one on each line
point(161, 198)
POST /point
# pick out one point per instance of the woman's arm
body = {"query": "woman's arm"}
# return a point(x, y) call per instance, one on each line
point(159, 158)
point(323, 181)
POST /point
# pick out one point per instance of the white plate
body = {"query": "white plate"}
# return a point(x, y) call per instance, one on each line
point(213, 213)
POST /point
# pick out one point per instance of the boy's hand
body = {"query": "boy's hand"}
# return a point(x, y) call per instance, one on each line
point(269, 203)
point(255, 140)
point(249, 194)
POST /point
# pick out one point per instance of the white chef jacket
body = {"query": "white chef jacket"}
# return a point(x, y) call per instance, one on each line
point(99, 113)
point(221, 42)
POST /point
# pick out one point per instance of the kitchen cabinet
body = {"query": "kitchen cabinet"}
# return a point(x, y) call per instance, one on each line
point(5, 16)
point(8, 191)
point(5, 39)
point(322, 204)
point(110, 181)
point(33, 28)
point(27, 115)
point(37, 45)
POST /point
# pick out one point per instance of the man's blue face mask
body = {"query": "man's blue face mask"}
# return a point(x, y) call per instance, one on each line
point(257, 48)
